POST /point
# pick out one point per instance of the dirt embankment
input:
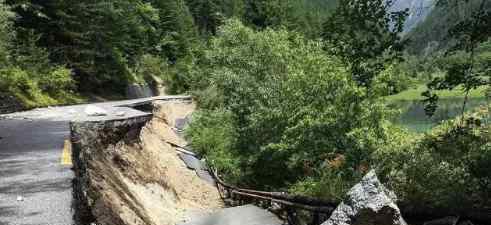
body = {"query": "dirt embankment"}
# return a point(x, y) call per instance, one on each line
point(140, 179)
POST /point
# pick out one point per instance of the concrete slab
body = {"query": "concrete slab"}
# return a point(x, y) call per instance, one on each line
point(191, 161)
point(206, 176)
point(241, 215)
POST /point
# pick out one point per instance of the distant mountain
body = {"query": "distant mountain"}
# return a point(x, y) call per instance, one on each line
point(431, 34)
point(418, 11)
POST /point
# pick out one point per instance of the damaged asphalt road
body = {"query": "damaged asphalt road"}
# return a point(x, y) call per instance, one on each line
point(35, 171)
point(35, 188)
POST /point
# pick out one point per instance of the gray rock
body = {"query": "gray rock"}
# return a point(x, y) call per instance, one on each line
point(367, 203)
point(466, 222)
point(134, 91)
point(92, 110)
point(449, 220)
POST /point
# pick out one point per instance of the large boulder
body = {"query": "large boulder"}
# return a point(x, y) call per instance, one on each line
point(367, 203)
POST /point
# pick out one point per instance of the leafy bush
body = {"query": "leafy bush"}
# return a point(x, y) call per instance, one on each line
point(289, 108)
point(59, 79)
point(212, 135)
point(394, 79)
point(448, 168)
point(20, 84)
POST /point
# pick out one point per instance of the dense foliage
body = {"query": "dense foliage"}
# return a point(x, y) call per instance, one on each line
point(367, 35)
point(290, 92)
point(447, 168)
point(25, 71)
point(281, 108)
point(282, 112)
point(104, 41)
point(432, 33)
point(465, 68)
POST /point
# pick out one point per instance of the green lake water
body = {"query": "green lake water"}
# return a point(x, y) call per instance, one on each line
point(414, 118)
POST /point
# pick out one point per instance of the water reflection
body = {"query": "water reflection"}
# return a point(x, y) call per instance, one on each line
point(414, 118)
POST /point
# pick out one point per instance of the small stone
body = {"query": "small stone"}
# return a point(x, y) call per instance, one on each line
point(94, 111)
point(120, 113)
point(20, 198)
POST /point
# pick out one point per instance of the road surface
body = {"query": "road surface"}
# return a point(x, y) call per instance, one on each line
point(35, 165)
point(31, 170)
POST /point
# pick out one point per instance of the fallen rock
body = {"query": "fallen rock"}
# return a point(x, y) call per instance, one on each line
point(466, 222)
point(94, 111)
point(449, 220)
point(367, 203)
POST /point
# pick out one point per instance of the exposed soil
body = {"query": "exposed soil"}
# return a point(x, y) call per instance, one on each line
point(144, 181)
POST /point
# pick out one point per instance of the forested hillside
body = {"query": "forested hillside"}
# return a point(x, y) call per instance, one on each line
point(418, 10)
point(105, 43)
point(432, 33)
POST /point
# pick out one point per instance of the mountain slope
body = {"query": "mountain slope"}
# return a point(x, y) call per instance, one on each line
point(432, 33)
point(418, 10)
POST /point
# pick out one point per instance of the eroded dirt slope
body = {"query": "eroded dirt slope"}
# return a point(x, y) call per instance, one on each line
point(144, 181)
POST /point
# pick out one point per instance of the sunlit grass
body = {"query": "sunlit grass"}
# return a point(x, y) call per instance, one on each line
point(415, 94)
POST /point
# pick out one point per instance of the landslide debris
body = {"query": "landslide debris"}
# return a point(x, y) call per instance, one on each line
point(143, 182)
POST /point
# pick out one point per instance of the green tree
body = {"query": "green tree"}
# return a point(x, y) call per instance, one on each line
point(176, 31)
point(26, 75)
point(103, 41)
point(367, 35)
point(207, 14)
point(271, 13)
point(5, 32)
point(282, 107)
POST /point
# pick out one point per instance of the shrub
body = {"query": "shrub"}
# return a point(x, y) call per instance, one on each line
point(56, 81)
point(394, 79)
point(41, 90)
point(211, 134)
point(19, 83)
point(447, 168)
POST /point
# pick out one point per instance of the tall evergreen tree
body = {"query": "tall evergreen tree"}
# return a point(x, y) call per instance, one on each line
point(177, 32)
point(209, 14)
point(103, 40)
point(5, 33)
point(269, 13)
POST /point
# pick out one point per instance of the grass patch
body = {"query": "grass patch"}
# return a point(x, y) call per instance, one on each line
point(415, 94)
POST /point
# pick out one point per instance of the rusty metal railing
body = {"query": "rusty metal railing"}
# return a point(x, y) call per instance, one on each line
point(293, 209)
